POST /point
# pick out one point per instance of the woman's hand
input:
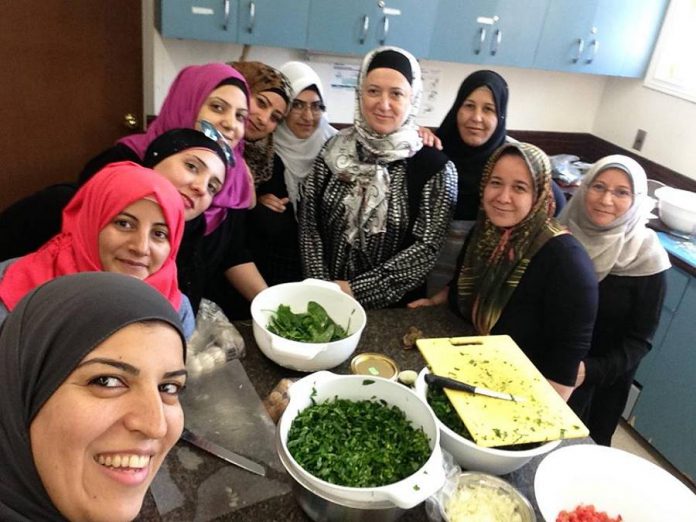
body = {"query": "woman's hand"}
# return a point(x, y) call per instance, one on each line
point(581, 374)
point(429, 138)
point(345, 286)
point(273, 202)
point(562, 390)
point(437, 299)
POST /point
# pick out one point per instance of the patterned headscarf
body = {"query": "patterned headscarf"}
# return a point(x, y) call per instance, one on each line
point(496, 258)
point(624, 247)
point(180, 109)
point(262, 77)
point(76, 247)
point(367, 204)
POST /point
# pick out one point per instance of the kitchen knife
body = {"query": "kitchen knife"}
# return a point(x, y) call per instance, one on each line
point(224, 454)
point(453, 384)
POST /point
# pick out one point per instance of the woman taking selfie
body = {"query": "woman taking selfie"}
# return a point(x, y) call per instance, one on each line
point(92, 366)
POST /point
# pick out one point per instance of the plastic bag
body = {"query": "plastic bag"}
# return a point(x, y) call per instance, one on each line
point(567, 169)
point(214, 342)
point(435, 504)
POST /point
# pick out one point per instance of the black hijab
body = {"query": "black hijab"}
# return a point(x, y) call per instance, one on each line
point(470, 161)
point(41, 342)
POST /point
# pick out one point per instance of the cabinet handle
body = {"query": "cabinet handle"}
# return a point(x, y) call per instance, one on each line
point(226, 19)
point(252, 17)
point(581, 45)
point(365, 27)
point(495, 43)
point(595, 48)
point(385, 30)
point(482, 38)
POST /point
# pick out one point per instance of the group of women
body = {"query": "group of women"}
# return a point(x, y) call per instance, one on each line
point(241, 182)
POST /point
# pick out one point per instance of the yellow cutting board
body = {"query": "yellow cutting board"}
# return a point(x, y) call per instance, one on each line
point(497, 363)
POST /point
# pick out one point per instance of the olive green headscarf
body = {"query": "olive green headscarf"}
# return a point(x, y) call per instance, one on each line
point(496, 258)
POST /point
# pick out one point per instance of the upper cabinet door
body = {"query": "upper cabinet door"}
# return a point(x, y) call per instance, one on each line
point(273, 23)
point(214, 20)
point(358, 26)
point(503, 32)
point(613, 37)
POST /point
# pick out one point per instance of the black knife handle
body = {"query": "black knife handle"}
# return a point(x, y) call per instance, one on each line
point(446, 382)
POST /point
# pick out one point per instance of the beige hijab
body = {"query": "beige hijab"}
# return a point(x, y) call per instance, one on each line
point(625, 247)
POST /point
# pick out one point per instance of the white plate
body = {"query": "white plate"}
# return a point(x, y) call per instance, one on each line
point(613, 481)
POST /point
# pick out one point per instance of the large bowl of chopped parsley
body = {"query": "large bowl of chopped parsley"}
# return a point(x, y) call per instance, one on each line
point(307, 326)
point(457, 441)
point(362, 441)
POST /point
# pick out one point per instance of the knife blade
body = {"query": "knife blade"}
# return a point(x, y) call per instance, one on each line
point(223, 453)
point(454, 384)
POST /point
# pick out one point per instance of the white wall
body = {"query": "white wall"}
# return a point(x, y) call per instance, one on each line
point(610, 108)
point(669, 122)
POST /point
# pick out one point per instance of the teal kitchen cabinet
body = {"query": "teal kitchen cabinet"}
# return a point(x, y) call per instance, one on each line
point(500, 32)
point(212, 20)
point(612, 37)
point(358, 26)
point(273, 23)
point(665, 413)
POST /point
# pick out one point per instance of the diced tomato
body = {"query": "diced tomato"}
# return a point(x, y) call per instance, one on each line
point(586, 513)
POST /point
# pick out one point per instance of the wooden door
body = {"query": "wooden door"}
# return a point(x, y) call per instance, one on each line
point(70, 71)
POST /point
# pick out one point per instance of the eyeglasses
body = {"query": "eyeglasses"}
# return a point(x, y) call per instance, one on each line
point(621, 194)
point(299, 106)
point(211, 132)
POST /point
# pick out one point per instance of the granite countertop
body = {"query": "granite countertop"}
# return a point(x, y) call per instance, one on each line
point(383, 333)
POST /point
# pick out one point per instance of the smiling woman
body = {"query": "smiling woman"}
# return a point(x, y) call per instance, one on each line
point(92, 366)
point(126, 219)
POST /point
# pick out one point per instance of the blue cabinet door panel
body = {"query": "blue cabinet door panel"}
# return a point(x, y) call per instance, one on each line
point(412, 29)
point(276, 23)
point(211, 20)
point(665, 413)
point(518, 29)
point(342, 27)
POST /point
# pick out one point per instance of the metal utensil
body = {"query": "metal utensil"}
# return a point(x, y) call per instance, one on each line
point(453, 384)
point(223, 453)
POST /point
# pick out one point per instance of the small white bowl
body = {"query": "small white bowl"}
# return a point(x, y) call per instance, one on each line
point(307, 357)
point(677, 209)
point(471, 456)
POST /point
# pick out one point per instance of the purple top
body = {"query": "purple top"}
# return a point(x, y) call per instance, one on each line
point(180, 109)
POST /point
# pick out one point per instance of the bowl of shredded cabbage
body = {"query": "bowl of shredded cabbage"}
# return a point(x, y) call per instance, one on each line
point(479, 497)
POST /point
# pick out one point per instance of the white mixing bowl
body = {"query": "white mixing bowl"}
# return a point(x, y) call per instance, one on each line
point(470, 456)
point(307, 357)
point(404, 494)
point(677, 209)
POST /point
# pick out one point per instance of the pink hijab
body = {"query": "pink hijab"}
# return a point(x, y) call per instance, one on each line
point(180, 109)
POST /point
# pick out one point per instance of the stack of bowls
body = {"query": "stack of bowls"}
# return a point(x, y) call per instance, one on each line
point(677, 209)
point(322, 500)
point(307, 357)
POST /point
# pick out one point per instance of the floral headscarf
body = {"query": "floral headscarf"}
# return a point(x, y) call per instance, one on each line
point(368, 201)
point(496, 258)
point(262, 77)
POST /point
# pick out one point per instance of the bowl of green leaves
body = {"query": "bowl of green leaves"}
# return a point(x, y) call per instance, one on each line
point(364, 447)
point(307, 326)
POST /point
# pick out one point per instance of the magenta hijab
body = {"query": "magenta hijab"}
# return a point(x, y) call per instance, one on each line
point(180, 109)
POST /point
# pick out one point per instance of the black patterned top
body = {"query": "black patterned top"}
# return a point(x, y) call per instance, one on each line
point(380, 268)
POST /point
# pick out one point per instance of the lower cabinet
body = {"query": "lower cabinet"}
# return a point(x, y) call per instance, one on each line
point(665, 413)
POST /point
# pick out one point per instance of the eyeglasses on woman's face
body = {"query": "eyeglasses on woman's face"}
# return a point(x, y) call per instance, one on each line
point(621, 193)
point(299, 106)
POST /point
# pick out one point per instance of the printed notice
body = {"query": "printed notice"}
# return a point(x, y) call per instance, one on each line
point(345, 76)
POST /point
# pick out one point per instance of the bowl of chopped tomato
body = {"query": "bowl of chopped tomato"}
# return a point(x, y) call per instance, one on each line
point(589, 483)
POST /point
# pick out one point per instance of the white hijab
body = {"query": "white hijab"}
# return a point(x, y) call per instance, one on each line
point(625, 247)
point(367, 204)
point(298, 154)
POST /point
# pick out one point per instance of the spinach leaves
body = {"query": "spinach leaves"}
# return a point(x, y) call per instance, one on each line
point(312, 326)
point(357, 443)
